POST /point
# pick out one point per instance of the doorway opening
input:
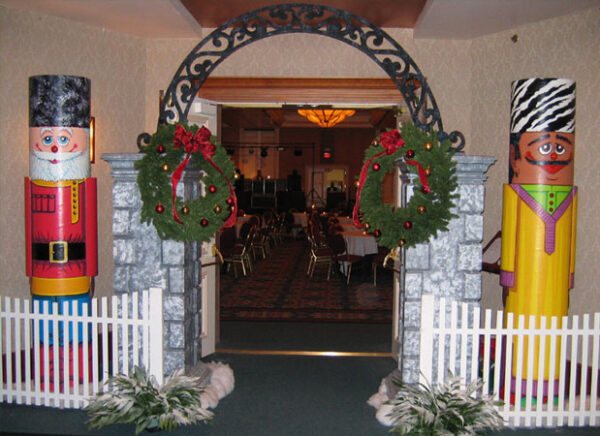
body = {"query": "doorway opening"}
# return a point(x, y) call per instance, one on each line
point(276, 307)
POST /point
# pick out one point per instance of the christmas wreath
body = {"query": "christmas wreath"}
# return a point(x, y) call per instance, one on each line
point(171, 150)
point(428, 209)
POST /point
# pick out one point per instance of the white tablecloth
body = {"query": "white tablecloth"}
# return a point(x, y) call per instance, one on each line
point(360, 244)
point(300, 218)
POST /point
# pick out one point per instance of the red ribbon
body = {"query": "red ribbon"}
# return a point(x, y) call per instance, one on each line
point(193, 143)
point(391, 142)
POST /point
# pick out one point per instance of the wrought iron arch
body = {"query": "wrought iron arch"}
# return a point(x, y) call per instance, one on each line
point(302, 18)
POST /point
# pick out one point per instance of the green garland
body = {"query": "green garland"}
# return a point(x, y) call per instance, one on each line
point(201, 217)
point(425, 213)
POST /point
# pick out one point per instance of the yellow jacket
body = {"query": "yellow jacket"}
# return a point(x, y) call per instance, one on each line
point(538, 248)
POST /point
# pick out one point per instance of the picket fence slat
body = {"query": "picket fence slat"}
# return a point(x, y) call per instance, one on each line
point(474, 345)
point(66, 369)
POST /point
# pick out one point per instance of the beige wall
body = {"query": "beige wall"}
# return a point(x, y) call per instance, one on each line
point(32, 44)
point(470, 80)
point(565, 47)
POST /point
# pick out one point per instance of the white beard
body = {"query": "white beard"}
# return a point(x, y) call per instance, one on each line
point(68, 168)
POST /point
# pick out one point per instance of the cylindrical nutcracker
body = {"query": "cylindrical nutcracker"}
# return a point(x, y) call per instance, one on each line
point(539, 210)
point(60, 197)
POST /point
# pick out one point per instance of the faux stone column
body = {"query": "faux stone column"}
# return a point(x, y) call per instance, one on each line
point(449, 265)
point(142, 260)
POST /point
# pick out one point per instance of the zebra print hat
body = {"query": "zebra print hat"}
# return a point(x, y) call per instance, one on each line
point(542, 105)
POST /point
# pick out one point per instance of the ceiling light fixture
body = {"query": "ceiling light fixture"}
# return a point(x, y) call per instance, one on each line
point(326, 117)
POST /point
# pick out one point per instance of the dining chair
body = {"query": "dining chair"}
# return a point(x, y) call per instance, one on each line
point(345, 260)
point(242, 254)
point(319, 254)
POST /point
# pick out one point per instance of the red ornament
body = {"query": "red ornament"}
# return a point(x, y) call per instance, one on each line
point(376, 166)
point(230, 201)
point(377, 233)
point(410, 154)
point(212, 189)
point(426, 189)
point(407, 225)
point(160, 149)
point(160, 208)
point(203, 222)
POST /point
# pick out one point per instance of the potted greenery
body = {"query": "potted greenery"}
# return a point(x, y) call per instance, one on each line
point(138, 399)
point(443, 410)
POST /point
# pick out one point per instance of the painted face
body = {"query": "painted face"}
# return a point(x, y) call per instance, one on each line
point(546, 158)
point(62, 152)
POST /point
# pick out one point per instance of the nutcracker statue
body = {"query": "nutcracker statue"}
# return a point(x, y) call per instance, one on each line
point(60, 199)
point(539, 211)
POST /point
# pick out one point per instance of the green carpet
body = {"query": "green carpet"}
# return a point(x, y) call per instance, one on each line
point(266, 335)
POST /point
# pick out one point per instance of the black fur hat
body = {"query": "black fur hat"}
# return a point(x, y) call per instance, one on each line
point(59, 101)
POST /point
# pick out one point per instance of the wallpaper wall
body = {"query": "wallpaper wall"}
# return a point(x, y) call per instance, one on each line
point(33, 44)
point(564, 47)
point(470, 80)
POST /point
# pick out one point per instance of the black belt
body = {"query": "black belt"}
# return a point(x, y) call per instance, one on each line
point(59, 251)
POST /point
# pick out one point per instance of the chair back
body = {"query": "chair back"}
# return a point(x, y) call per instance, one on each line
point(227, 240)
point(337, 243)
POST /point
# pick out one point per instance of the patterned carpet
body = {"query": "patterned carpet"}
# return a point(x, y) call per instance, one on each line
point(278, 289)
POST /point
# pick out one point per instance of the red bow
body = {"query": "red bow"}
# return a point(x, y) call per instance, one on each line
point(391, 141)
point(192, 143)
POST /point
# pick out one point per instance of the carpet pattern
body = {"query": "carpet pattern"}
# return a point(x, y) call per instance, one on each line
point(279, 289)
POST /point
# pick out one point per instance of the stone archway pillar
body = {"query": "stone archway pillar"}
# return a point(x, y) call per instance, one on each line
point(448, 265)
point(143, 260)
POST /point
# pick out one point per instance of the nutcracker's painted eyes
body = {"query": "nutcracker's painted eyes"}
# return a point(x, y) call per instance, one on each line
point(62, 140)
point(545, 149)
point(48, 139)
point(560, 149)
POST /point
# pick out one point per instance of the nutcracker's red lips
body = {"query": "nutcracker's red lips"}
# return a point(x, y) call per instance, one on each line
point(550, 166)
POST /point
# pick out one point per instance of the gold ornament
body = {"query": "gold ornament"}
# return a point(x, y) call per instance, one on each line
point(428, 171)
point(401, 242)
point(428, 146)
point(218, 209)
point(185, 210)
point(166, 168)
point(421, 209)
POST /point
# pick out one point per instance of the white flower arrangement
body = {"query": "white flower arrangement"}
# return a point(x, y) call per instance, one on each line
point(138, 399)
point(443, 410)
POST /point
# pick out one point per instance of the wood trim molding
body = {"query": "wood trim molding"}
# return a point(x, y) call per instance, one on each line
point(300, 91)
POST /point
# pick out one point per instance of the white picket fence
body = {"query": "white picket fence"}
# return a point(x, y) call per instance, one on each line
point(124, 331)
point(455, 339)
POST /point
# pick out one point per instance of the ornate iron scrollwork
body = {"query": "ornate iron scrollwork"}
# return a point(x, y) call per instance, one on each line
point(303, 18)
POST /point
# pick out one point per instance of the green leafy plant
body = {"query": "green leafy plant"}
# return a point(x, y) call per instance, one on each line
point(444, 410)
point(138, 399)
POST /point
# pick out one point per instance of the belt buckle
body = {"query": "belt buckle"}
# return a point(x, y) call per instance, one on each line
point(58, 252)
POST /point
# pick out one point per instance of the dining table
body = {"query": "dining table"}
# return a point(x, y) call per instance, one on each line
point(359, 243)
point(301, 219)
